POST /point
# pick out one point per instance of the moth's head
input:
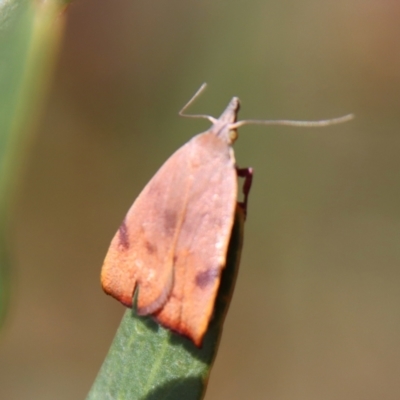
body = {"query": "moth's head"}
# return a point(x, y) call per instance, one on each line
point(224, 126)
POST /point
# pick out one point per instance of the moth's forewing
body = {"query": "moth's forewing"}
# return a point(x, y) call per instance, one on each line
point(173, 241)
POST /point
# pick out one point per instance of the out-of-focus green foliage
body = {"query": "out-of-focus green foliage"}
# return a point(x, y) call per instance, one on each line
point(29, 39)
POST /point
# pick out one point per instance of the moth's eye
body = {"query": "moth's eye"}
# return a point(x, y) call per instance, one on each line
point(233, 135)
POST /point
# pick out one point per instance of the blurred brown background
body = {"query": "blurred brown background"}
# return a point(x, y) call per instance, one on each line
point(316, 312)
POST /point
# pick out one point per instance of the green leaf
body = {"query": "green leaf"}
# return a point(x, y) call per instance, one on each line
point(149, 362)
point(30, 33)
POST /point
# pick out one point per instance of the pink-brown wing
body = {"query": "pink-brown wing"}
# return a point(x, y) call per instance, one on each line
point(203, 237)
point(143, 248)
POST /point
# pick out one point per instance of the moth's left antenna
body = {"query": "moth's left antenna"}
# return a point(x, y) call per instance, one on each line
point(191, 101)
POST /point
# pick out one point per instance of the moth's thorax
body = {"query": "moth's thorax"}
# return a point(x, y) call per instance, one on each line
point(222, 126)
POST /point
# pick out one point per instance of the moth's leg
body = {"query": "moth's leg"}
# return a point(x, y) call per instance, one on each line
point(247, 174)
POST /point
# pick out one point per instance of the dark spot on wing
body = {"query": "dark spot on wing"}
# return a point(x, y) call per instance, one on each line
point(150, 247)
point(170, 218)
point(205, 278)
point(123, 236)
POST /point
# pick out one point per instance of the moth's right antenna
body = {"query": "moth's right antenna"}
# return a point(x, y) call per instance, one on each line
point(303, 124)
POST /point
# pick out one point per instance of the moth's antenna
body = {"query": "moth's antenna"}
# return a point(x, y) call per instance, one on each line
point(189, 103)
point(305, 124)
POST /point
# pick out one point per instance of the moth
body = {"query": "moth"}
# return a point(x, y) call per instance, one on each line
point(172, 244)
